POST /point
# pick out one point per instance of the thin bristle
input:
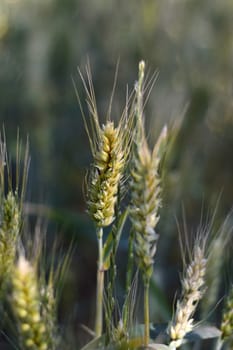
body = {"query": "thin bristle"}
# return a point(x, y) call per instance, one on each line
point(112, 93)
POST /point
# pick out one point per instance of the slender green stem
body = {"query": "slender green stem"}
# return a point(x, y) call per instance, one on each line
point(129, 274)
point(100, 285)
point(146, 313)
point(110, 303)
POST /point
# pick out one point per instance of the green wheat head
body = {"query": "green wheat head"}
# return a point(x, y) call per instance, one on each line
point(10, 208)
point(227, 318)
point(106, 174)
point(110, 146)
point(9, 235)
point(146, 200)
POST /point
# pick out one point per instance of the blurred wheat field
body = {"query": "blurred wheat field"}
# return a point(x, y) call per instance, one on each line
point(189, 47)
point(125, 180)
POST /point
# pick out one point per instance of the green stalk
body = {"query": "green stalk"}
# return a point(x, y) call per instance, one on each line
point(146, 312)
point(112, 277)
point(110, 303)
point(129, 274)
point(100, 285)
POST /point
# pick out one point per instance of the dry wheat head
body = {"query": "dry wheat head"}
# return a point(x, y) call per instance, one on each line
point(145, 185)
point(192, 291)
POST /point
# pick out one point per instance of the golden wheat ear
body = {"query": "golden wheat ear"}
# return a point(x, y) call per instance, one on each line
point(26, 306)
point(34, 303)
point(110, 147)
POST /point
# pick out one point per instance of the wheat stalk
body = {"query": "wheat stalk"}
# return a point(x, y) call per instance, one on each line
point(110, 146)
point(145, 196)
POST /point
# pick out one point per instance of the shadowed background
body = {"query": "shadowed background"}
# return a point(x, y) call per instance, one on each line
point(190, 43)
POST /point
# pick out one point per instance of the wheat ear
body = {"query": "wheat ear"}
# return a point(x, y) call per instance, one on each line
point(145, 196)
point(106, 174)
point(9, 233)
point(227, 318)
point(192, 291)
point(49, 313)
point(219, 241)
point(26, 307)
point(213, 274)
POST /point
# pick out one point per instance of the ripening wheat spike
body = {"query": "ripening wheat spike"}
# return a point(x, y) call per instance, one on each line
point(26, 306)
point(192, 291)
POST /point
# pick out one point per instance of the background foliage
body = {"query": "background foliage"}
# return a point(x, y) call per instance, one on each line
point(190, 43)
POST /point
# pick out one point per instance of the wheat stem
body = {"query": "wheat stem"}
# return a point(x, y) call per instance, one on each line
point(110, 303)
point(100, 285)
point(146, 312)
point(129, 272)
